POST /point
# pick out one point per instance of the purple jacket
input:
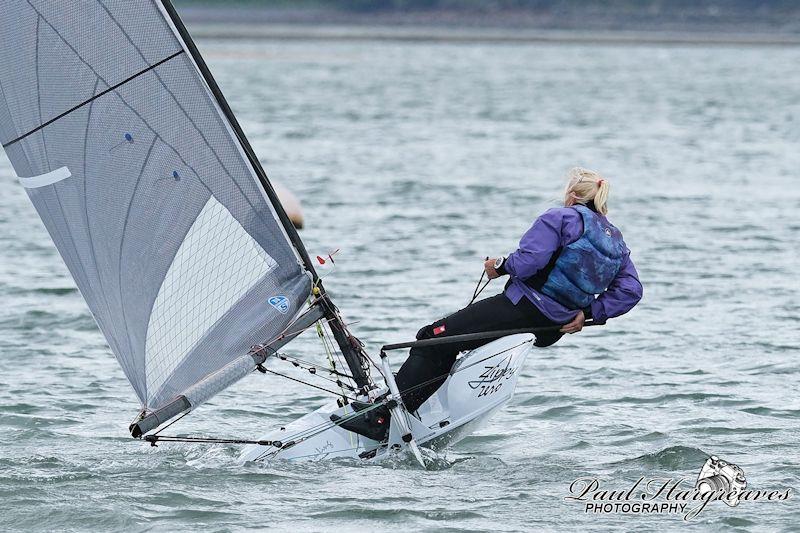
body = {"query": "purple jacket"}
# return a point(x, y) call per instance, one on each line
point(554, 229)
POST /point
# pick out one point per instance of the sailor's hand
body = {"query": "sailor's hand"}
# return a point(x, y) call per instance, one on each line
point(576, 325)
point(488, 266)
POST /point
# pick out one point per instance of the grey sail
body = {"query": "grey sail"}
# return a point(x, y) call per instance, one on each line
point(147, 192)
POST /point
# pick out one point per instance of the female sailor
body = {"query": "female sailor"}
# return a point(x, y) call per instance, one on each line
point(571, 265)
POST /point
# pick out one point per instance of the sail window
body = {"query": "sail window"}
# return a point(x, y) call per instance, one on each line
point(217, 263)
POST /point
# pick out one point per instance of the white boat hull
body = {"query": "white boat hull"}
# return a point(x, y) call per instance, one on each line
point(481, 382)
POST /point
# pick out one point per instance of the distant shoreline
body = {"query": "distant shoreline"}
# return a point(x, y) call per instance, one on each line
point(244, 21)
point(336, 32)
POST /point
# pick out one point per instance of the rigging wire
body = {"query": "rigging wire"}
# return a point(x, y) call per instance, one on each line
point(267, 370)
point(311, 367)
point(321, 325)
point(313, 371)
point(168, 425)
point(317, 291)
point(315, 430)
point(329, 355)
point(285, 331)
point(365, 359)
point(312, 431)
point(277, 444)
point(326, 452)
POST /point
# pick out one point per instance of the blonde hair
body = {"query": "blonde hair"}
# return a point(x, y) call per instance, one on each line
point(587, 186)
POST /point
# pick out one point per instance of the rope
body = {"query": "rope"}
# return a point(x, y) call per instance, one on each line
point(312, 431)
point(327, 453)
point(279, 445)
point(285, 332)
point(365, 359)
point(265, 370)
point(310, 367)
point(299, 363)
point(315, 430)
point(168, 425)
point(329, 353)
point(324, 426)
point(478, 289)
point(338, 382)
point(329, 356)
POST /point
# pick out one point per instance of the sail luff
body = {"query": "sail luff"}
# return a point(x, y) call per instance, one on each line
point(351, 354)
point(182, 34)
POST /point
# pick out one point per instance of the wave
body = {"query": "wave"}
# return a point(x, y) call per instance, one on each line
point(672, 458)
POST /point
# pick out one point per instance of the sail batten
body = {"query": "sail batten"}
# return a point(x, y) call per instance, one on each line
point(34, 182)
point(147, 193)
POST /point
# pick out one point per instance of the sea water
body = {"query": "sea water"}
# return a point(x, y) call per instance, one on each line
point(416, 161)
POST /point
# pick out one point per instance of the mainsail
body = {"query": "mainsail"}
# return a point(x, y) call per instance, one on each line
point(150, 192)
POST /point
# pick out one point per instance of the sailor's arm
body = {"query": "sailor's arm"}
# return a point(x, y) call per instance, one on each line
point(536, 247)
point(620, 297)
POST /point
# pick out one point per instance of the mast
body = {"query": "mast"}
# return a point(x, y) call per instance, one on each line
point(347, 344)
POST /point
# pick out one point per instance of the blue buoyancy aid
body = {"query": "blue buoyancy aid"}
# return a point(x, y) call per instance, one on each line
point(587, 266)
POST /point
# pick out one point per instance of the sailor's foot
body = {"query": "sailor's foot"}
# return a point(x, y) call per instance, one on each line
point(374, 424)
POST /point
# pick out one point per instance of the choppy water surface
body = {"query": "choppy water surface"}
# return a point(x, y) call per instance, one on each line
point(417, 160)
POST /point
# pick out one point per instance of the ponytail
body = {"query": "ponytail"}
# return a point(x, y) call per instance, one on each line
point(588, 186)
point(601, 197)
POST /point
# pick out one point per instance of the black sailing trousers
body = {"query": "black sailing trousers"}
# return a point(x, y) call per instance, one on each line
point(427, 367)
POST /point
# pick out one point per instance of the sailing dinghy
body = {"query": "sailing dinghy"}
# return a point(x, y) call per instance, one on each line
point(177, 241)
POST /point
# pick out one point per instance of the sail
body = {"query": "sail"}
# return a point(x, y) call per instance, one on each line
point(146, 191)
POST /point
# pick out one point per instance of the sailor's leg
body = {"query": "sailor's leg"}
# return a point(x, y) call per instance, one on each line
point(427, 367)
point(423, 373)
